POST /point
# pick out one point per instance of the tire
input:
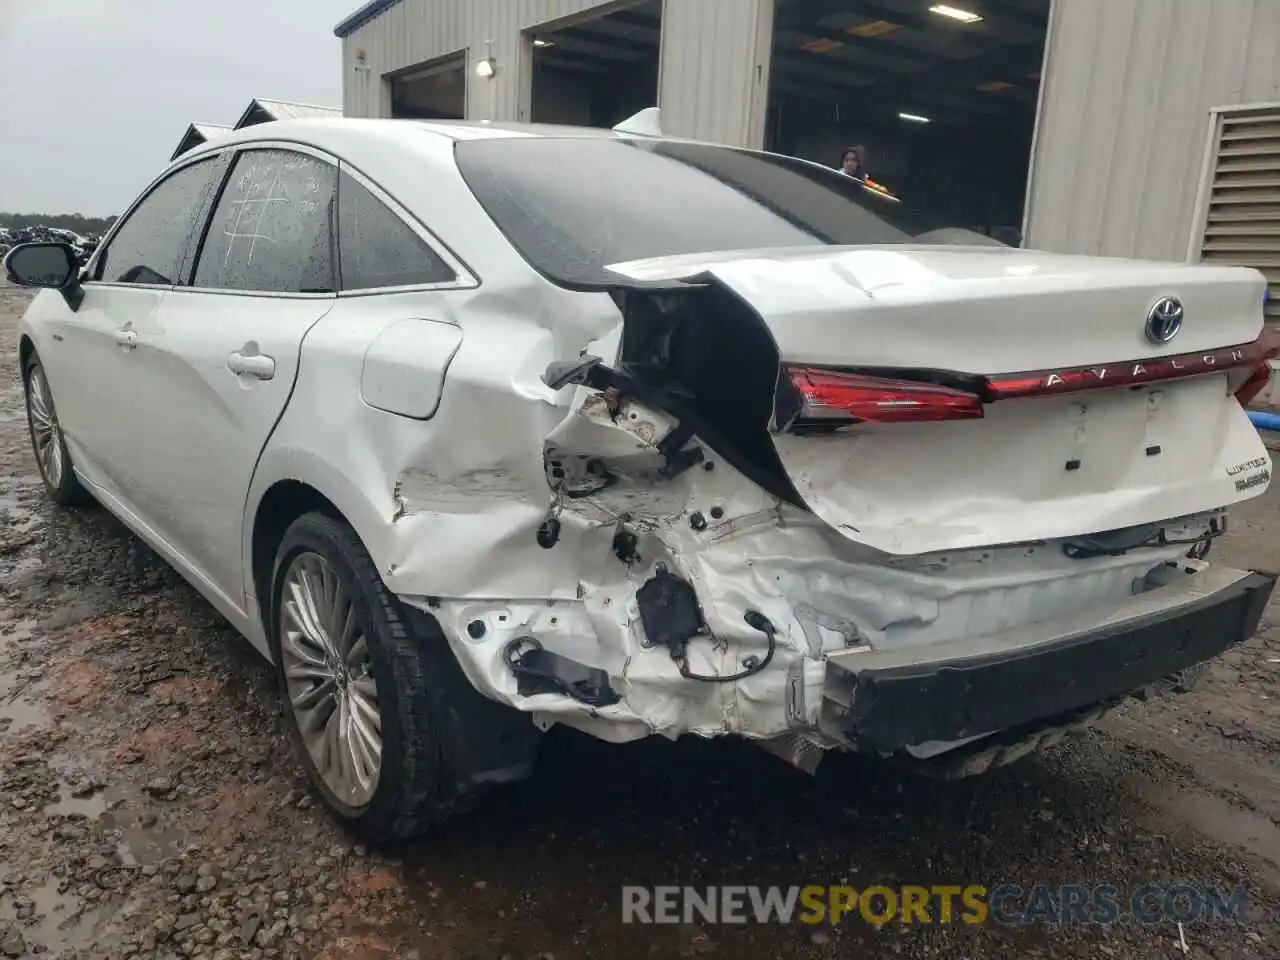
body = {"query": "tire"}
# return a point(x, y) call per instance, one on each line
point(406, 671)
point(53, 460)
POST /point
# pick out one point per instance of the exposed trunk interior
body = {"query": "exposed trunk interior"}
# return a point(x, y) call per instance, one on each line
point(711, 352)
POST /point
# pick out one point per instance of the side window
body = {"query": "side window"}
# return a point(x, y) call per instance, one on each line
point(149, 246)
point(377, 248)
point(272, 228)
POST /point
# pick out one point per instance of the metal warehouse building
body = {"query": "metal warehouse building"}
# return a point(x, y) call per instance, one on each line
point(1145, 128)
point(258, 111)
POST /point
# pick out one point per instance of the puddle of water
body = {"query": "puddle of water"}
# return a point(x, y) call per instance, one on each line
point(22, 518)
point(142, 837)
point(90, 807)
point(60, 922)
point(14, 634)
point(1226, 823)
point(142, 845)
point(17, 632)
point(20, 713)
point(17, 571)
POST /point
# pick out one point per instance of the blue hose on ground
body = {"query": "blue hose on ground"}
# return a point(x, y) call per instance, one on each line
point(1264, 420)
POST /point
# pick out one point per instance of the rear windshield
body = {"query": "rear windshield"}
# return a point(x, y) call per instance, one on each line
point(571, 206)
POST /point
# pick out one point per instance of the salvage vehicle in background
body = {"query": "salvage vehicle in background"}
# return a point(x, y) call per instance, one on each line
point(470, 442)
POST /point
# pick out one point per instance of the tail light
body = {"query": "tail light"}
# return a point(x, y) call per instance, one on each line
point(823, 398)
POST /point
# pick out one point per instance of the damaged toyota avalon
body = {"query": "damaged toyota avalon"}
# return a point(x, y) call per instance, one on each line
point(477, 429)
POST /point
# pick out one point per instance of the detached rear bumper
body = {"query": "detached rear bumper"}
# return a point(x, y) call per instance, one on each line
point(980, 686)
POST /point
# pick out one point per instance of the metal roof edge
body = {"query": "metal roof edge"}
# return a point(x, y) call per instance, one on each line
point(263, 101)
point(182, 147)
point(370, 11)
point(244, 114)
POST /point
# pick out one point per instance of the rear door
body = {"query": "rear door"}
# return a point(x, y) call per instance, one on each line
point(87, 353)
point(213, 374)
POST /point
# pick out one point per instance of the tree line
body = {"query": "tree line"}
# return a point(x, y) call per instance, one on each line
point(84, 226)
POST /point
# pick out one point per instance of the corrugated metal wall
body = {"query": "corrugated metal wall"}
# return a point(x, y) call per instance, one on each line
point(714, 81)
point(416, 31)
point(1127, 89)
point(713, 77)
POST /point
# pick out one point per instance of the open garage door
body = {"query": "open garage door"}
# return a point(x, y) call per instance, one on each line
point(942, 97)
point(432, 91)
point(598, 71)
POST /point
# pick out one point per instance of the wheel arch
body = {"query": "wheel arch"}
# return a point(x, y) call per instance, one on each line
point(285, 487)
point(26, 347)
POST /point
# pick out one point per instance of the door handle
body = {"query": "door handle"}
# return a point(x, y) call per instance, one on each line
point(256, 365)
point(127, 338)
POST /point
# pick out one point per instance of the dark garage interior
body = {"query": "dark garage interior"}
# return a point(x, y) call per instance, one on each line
point(432, 91)
point(600, 71)
point(943, 97)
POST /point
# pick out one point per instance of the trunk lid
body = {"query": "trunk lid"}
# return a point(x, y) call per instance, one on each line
point(976, 309)
point(1101, 428)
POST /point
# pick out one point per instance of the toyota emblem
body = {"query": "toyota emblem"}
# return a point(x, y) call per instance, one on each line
point(1164, 320)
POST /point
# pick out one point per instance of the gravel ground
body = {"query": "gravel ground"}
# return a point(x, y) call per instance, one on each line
point(150, 805)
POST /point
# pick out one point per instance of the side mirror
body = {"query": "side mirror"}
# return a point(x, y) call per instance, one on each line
point(51, 265)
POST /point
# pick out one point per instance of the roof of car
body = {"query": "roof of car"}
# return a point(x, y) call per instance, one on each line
point(453, 129)
point(333, 134)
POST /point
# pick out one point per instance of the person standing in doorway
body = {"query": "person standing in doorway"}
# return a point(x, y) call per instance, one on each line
point(854, 163)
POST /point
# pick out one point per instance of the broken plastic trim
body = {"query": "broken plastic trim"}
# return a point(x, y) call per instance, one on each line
point(561, 373)
point(539, 671)
point(591, 372)
point(1115, 543)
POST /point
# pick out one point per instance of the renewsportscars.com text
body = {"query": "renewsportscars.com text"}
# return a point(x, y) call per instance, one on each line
point(1007, 904)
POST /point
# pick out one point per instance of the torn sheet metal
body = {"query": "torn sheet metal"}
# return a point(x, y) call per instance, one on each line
point(741, 550)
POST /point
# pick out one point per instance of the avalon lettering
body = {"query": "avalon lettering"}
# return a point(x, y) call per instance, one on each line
point(1140, 370)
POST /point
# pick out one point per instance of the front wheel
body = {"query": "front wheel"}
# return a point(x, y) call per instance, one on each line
point(373, 706)
point(47, 443)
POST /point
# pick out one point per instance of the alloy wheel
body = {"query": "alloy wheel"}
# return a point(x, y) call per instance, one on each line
point(46, 436)
point(325, 657)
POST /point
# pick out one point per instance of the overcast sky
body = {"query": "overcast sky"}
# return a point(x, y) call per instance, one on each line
point(97, 93)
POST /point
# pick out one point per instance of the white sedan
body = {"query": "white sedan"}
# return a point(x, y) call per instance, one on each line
point(475, 429)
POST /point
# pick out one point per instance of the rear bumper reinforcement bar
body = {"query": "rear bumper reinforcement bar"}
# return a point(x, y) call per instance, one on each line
point(888, 702)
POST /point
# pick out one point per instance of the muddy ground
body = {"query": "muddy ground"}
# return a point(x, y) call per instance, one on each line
point(150, 805)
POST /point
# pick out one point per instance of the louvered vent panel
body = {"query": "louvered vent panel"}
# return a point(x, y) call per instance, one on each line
point(1243, 222)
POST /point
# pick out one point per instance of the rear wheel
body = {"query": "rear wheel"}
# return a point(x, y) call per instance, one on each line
point(365, 696)
point(47, 443)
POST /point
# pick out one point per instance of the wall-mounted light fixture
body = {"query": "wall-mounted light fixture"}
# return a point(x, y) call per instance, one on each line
point(487, 67)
